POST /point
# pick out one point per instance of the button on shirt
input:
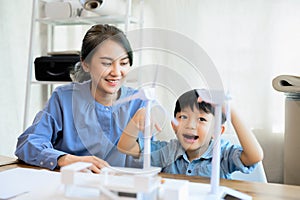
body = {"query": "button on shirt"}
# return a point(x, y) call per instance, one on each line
point(171, 157)
point(72, 122)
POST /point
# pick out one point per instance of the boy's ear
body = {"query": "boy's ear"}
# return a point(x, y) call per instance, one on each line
point(174, 127)
point(222, 130)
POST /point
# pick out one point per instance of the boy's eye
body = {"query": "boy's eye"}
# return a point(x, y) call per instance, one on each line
point(202, 119)
point(182, 117)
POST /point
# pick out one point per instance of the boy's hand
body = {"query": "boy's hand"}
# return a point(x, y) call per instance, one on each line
point(137, 123)
point(138, 120)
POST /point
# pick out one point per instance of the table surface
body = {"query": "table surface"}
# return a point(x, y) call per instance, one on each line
point(258, 191)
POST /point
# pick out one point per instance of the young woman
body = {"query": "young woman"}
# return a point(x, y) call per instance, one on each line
point(79, 122)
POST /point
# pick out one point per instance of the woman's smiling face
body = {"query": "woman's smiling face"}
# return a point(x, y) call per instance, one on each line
point(108, 68)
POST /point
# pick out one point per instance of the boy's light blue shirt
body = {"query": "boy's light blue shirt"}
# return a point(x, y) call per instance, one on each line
point(72, 122)
point(171, 157)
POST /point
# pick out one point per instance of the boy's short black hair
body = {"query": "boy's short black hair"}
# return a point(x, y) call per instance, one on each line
point(190, 99)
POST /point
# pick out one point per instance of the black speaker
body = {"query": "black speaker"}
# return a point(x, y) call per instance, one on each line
point(55, 67)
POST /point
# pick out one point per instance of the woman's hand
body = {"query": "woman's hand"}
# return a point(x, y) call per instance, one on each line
point(97, 163)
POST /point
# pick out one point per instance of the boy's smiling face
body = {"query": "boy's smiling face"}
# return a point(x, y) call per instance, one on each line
point(194, 130)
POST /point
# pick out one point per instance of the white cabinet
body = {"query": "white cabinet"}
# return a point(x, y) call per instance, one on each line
point(50, 34)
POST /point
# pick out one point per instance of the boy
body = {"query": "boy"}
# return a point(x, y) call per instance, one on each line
point(191, 152)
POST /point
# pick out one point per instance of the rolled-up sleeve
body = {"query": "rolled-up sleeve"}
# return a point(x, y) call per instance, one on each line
point(35, 145)
point(231, 160)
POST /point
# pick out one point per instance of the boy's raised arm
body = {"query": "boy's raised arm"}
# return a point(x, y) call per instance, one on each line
point(252, 151)
point(128, 141)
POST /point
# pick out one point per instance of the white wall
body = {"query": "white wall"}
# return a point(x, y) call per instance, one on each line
point(250, 43)
point(14, 42)
point(14, 50)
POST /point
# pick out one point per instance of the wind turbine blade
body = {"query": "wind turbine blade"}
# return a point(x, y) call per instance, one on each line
point(155, 76)
point(167, 113)
point(129, 98)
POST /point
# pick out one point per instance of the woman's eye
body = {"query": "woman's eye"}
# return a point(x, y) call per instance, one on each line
point(106, 64)
point(124, 63)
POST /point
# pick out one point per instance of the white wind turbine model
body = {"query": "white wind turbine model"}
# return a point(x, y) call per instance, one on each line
point(149, 96)
point(217, 99)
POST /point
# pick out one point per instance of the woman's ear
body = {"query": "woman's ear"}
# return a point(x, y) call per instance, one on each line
point(85, 66)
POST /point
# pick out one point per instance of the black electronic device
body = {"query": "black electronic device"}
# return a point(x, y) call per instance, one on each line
point(55, 67)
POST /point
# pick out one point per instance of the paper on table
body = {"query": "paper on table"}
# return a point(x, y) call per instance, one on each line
point(33, 184)
point(8, 162)
point(22, 181)
point(287, 83)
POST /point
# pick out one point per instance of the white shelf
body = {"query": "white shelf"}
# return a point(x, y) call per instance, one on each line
point(105, 19)
point(49, 82)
